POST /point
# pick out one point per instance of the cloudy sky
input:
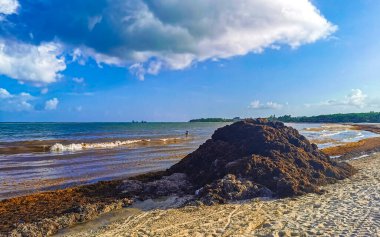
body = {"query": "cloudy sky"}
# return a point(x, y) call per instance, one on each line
point(173, 60)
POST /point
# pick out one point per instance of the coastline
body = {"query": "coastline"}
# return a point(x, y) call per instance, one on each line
point(359, 148)
point(46, 213)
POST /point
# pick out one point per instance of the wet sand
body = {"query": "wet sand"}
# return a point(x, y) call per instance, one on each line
point(348, 208)
point(375, 128)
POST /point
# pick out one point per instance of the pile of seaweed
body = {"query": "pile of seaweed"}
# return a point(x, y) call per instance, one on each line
point(256, 157)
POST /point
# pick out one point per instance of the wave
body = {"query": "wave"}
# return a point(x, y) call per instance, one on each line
point(171, 139)
point(326, 133)
point(360, 157)
point(59, 147)
point(329, 127)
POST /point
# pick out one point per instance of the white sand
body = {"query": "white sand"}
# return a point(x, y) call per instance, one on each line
point(348, 208)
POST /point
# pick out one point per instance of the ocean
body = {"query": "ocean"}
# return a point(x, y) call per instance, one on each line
point(46, 156)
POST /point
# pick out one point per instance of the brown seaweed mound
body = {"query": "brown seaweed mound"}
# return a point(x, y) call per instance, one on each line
point(261, 156)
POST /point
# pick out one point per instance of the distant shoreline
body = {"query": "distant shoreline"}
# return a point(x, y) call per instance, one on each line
point(214, 120)
point(370, 117)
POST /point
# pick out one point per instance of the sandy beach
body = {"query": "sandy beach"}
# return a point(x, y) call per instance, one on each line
point(348, 208)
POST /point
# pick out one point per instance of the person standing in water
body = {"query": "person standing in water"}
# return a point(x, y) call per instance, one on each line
point(187, 133)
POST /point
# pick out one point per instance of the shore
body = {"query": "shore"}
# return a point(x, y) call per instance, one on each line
point(348, 208)
point(357, 149)
point(46, 213)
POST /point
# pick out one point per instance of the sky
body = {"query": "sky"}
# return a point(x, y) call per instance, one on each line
point(175, 60)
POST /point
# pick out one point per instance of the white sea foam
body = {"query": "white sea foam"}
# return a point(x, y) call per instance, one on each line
point(360, 157)
point(58, 147)
point(171, 139)
point(329, 135)
point(326, 133)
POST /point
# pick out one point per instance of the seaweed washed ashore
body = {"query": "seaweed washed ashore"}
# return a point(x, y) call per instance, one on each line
point(240, 180)
point(347, 208)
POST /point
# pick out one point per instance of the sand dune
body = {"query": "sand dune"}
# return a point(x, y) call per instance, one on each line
point(348, 208)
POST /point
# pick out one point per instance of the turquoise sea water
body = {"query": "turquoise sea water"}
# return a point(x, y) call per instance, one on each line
point(43, 156)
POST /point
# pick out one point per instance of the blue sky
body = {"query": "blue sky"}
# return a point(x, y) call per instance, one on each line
point(177, 60)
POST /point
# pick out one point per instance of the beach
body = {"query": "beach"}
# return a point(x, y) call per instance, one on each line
point(346, 207)
point(189, 118)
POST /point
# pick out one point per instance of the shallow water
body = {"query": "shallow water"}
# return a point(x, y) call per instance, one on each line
point(45, 156)
point(328, 135)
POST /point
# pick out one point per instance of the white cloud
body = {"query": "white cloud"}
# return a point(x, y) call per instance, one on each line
point(178, 33)
point(356, 98)
point(51, 104)
point(8, 7)
point(139, 70)
point(78, 80)
point(93, 21)
point(268, 105)
point(4, 93)
point(15, 102)
point(82, 54)
point(29, 63)
point(44, 91)
point(255, 104)
point(148, 36)
point(154, 67)
point(80, 94)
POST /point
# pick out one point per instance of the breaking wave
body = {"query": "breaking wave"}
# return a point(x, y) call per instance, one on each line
point(171, 139)
point(59, 147)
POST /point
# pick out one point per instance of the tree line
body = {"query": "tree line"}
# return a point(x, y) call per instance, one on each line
point(370, 117)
